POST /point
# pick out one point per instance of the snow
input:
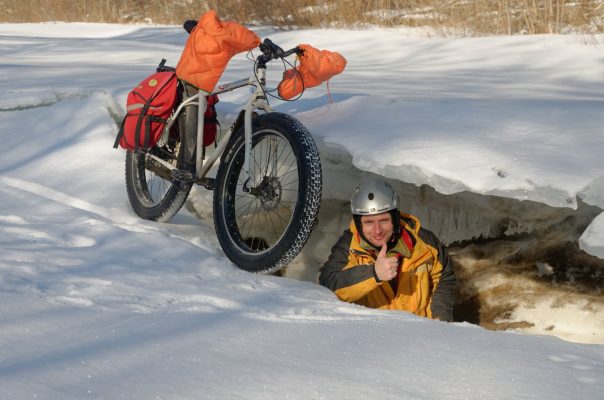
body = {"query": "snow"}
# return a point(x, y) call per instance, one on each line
point(96, 303)
point(592, 240)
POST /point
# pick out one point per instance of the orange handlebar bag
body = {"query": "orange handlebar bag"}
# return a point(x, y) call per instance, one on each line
point(316, 67)
point(209, 48)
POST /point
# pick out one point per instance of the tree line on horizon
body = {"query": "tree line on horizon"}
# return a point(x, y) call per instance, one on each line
point(450, 17)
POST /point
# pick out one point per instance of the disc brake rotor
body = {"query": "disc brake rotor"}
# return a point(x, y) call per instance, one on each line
point(268, 192)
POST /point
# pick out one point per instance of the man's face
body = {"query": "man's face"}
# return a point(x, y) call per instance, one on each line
point(378, 228)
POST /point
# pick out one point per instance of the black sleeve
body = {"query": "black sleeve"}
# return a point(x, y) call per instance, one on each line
point(443, 297)
point(334, 276)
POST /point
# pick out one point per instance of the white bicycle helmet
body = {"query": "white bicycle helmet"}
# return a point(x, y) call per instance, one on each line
point(373, 196)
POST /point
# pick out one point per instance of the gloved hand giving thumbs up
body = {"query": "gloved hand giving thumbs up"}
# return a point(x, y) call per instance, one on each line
point(386, 268)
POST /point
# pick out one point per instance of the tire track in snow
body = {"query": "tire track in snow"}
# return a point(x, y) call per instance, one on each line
point(60, 197)
point(115, 216)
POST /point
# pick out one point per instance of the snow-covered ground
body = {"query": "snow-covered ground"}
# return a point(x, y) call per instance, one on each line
point(95, 303)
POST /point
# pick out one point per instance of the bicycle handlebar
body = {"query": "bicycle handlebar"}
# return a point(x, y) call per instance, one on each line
point(270, 51)
point(189, 25)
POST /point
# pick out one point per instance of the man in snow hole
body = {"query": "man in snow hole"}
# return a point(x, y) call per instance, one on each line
point(386, 260)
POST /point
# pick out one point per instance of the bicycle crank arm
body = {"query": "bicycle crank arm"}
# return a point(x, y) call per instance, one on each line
point(168, 171)
point(159, 161)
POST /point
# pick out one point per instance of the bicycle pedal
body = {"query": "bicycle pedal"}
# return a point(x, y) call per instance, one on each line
point(209, 183)
point(181, 176)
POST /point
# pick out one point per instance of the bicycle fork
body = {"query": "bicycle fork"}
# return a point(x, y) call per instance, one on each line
point(256, 102)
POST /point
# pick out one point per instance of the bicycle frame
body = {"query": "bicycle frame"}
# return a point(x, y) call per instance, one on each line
point(257, 101)
point(267, 188)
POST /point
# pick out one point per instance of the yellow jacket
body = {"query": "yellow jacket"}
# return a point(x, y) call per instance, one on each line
point(425, 284)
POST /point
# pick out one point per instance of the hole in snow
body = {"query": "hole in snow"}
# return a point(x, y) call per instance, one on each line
point(518, 263)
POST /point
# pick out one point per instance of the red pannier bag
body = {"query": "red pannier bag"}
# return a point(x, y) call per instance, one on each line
point(148, 108)
point(210, 121)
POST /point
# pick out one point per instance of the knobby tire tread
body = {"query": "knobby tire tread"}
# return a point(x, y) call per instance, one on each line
point(309, 197)
point(176, 196)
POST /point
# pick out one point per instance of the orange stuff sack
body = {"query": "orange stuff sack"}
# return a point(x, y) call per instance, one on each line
point(209, 48)
point(316, 67)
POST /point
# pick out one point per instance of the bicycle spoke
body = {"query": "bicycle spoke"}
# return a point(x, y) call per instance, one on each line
point(289, 168)
point(245, 212)
point(276, 232)
point(263, 211)
point(254, 214)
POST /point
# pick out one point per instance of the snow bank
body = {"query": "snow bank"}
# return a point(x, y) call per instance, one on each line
point(95, 303)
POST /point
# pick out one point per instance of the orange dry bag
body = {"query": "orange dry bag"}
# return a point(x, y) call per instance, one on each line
point(210, 46)
point(316, 67)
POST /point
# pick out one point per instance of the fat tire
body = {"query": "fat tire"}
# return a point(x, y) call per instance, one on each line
point(306, 209)
point(161, 210)
point(136, 183)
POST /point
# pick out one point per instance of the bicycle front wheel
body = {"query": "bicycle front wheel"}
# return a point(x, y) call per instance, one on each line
point(263, 221)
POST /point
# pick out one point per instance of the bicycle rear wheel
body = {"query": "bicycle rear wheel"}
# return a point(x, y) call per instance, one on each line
point(152, 192)
point(264, 222)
